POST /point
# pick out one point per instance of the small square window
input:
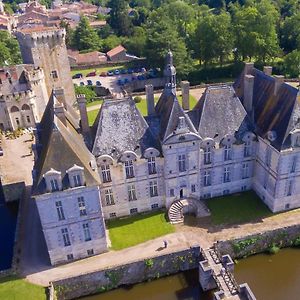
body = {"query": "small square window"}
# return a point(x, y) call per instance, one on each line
point(70, 257)
point(226, 192)
point(113, 215)
point(133, 211)
point(154, 206)
point(54, 74)
point(287, 206)
point(90, 252)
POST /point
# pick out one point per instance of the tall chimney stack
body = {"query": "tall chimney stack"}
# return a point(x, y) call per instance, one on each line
point(279, 80)
point(59, 111)
point(185, 91)
point(150, 99)
point(248, 93)
point(85, 128)
point(248, 67)
point(268, 70)
point(60, 95)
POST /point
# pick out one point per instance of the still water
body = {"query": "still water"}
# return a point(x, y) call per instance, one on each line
point(271, 277)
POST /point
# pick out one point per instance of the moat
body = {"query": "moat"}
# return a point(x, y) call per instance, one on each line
point(262, 272)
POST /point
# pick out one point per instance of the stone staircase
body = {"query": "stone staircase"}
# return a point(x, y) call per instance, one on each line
point(188, 205)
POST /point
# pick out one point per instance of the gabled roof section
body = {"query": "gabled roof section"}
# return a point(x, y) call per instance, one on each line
point(61, 148)
point(219, 112)
point(279, 113)
point(169, 111)
point(121, 127)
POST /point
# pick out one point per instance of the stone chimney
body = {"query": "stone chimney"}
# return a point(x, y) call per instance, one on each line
point(150, 99)
point(59, 111)
point(85, 128)
point(185, 91)
point(248, 92)
point(248, 67)
point(60, 95)
point(268, 70)
point(279, 80)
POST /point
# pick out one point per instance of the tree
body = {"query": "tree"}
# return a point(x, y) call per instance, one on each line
point(290, 33)
point(255, 30)
point(213, 37)
point(85, 37)
point(136, 44)
point(9, 49)
point(69, 33)
point(110, 42)
point(119, 19)
point(292, 64)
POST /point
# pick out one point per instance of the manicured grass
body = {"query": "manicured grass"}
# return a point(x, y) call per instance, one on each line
point(92, 115)
point(98, 70)
point(237, 208)
point(96, 102)
point(137, 229)
point(13, 288)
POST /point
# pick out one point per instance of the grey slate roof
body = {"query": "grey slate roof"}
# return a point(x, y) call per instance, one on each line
point(121, 127)
point(61, 148)
point(280, 113)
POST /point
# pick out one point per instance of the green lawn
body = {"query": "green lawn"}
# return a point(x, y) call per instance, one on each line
point(92, 115)
point(96, 102)
point(238, 208)
point(98, 70)
point(137, 229)
point(13, 288)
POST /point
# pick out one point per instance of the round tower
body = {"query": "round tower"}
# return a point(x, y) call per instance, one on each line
point(170, 71)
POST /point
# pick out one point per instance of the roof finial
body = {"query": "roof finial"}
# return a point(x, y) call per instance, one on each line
point(170, 71)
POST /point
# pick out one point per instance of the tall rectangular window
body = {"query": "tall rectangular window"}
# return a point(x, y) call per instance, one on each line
point(182, 162)
point(129, 169)
point(268, 156)
point(207, 155)
point(289, 188)
point(193, 188)
point(247, 149)
point(151, 165)
point(54, 74)
point(153, 188)
point(172, 193)
point(86, 232)
point(131, 192)
point(294, 164)
point(207, 178)
point(59, 210)
point(81, 206)
point(105, 171)
point(227, 152)
point(77, 180)
point(226, 174)
point(54, 185)
point(245, 170)
point(66, 237)
point(109, 197)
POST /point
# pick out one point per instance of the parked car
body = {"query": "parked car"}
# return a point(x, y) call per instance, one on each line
point(78, 75)
point(98, 83)
point(81, 83)
point(110, 73)
point(91, 74)
point(130, 71)
point(103, 74)
point(117, 72)
point(123, 71)
point(89, 82)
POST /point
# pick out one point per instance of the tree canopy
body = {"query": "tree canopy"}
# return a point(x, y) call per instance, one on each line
point(9, 49)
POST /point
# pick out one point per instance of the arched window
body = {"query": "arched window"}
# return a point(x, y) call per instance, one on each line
point(14, 109)
point(25, 107)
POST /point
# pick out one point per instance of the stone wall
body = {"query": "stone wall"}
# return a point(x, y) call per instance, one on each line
point(261, 242)
point(139, 271)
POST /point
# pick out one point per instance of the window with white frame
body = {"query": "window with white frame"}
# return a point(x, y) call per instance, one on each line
point(153, 188)
point(129, 169)
point(154, 206)
point(59, 210)
point(294, 164)
point(109, 197)
point(247, 149)
point(86, 232)
point(245, 170)
point(226, 176)
point(268, 156)
point(131, 192)
point(105, 172)
point(66, 237)
point(182, 163)
point(289, 188)
point(207, 155)
point(81, 205)
point(227, 152)
point(77, 180)
point(151, 165)
point(207, 178)
point(54, 185)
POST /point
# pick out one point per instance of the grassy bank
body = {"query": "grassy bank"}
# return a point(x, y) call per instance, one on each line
point(13, 288)
point(137, 229)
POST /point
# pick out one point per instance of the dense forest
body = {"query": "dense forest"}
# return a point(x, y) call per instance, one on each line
point(202, 34)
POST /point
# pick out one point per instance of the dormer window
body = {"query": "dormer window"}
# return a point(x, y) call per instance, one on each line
point(76, 176)
point(151, 165)
point(53, 180)
point(105, 172)
point(247, 149)
point(227, 152)
point(129, 169)
point(207, 155)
